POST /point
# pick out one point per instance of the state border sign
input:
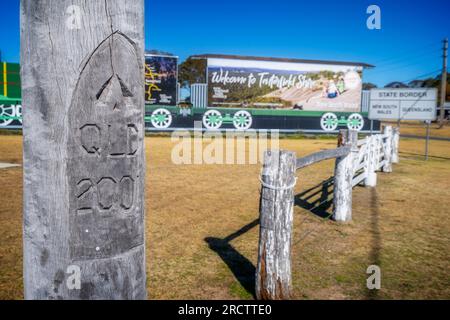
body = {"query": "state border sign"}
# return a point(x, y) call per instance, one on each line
point(403, 104)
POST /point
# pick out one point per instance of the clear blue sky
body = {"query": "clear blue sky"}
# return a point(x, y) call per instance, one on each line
point(407, 45)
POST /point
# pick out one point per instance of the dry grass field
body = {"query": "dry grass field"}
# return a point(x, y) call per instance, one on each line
point(419, 128)
point(403, 226)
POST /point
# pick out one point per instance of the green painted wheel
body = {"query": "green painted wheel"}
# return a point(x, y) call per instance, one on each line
point(329, 122)
point(355, 122)
point(7, 114)
point(161, 118)
point(212, 119)
point(242, 120)
point(19, 112)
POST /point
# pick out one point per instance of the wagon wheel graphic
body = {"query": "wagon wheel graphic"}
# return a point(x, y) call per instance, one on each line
point(242, 120)
point(355, 122)
point(161, 118)
point(6, 115)
point(212, 119)
point(329, 122)
point(19, 112)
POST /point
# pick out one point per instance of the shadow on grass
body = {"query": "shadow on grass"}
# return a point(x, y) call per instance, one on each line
point(421, 156)
point(319, 199)
point(374, 254)
point(240, 266)
point(323, 198)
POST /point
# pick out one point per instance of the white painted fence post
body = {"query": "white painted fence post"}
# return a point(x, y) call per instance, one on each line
point(395, 144)
point(379, 150)
point(372, 156)
point(388, 149)
point(273, 271)
point(343, 177)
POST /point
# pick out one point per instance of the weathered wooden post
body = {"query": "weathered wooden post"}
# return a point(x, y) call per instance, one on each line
point(372, 156)
point(273, 272)
point(387, 149)
point(83, 104)
point(395, 144)
point(343, 178)
point(379, 151)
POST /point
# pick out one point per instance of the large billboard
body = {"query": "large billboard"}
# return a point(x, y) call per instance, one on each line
point(161, 74)
point(273, 84)
point(10, 85)
point(10, 96)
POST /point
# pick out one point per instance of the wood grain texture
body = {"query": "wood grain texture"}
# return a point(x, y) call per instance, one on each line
point(395, 144)
point(372, 162)
point(387, 144)
point(343, 177)
point(273, 272)
point(84, 163)
point(322, 155)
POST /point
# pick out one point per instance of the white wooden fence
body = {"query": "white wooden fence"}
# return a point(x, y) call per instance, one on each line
point(357, 163)
point(367, 157)
point(375, 153)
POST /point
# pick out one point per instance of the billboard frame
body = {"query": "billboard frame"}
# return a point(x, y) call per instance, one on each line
point(162, 55)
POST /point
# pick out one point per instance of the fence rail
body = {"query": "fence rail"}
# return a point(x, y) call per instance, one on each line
point(357, 162)
point(321, 156)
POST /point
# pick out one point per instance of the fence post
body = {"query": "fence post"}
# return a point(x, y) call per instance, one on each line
point(84, 168)
point(273, 272)
point(372, 154)
point(387, 149)
point(379, 150)
point(395, 144)
point(343, 177)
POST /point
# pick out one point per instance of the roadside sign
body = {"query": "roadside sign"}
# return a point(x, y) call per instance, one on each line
point(403, 104)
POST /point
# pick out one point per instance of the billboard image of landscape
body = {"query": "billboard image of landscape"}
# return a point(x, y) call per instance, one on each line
point(270, 84)
point(161, 73)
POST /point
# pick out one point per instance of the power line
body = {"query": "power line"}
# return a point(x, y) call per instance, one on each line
point(409, 56)
point(415, 57)
point(422, 76)
point(409, 62)
point(398, 67)
point(421, 49)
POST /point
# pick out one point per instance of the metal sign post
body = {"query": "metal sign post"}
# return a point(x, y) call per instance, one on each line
point(427, 140)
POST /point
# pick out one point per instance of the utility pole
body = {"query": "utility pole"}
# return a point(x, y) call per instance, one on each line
point(443, 82)
point(83, 97)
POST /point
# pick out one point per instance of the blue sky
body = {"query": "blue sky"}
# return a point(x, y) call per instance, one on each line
point(408, 44)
